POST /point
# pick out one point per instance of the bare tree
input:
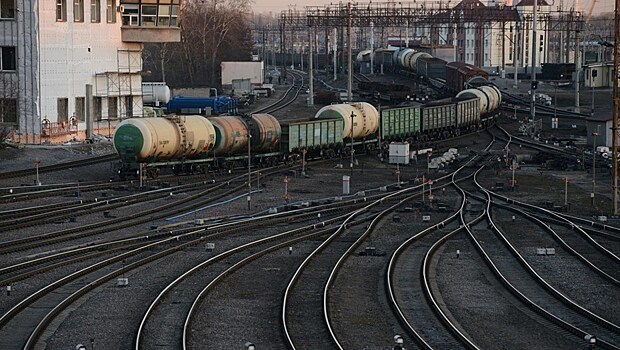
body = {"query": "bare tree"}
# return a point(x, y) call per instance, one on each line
point(211, 31)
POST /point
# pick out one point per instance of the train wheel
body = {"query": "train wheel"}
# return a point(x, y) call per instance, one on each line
point(176, 170)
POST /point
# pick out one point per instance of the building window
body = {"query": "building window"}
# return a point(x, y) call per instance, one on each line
point(80, 108)
point(62, 108)
point(7, 9)
point(8, 60)
point(131, 15)
point(61, 10)
point(150, 12)
point(8, 110)
point(111, 11)
point(112, 108)
point(128, 106)
point(97, 104)
point(78, 10)
point(95, 11)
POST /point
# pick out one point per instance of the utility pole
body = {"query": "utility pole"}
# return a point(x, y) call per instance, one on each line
point(350, 63)
point(614, 127)
point(534, 82)
point(310, 69)
point(577, 69)
point(351, 136)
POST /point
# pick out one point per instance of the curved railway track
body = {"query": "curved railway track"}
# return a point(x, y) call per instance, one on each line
point(59, 166)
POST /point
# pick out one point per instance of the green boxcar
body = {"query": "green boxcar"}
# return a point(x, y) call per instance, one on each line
point(399, 123)
point(312, 134)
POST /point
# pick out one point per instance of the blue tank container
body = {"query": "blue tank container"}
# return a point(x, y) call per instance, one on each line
point(198, 105)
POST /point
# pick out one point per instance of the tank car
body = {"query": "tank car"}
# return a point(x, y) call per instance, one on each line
point(155, 93)
point(144, 139)
point(490, 97)
point(266, 132)
point(231, 134)
point(364, 116)
point(412, 62)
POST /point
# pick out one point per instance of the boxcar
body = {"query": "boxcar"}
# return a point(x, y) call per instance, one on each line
point(312, 135)
point(459, 73)
point(399, 123)
point(431, 67)
point(438, 115)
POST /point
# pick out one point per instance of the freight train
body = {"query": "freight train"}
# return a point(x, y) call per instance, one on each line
point(194, 143)
point(448, 77)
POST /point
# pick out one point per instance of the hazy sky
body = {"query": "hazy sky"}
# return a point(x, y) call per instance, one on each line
point(279, 5)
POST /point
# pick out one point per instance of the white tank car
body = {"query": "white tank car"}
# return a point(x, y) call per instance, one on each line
point(412, 63)
point(490, 97)
point(365, 118)
point(164, 138)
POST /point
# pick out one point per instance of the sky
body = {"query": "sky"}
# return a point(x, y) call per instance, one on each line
point(277, 6)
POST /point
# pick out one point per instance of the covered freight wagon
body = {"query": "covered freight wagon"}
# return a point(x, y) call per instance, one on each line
point(459, 75)
point(431, 67)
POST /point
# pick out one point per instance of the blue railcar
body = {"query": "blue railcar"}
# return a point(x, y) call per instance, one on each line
point(201, 105)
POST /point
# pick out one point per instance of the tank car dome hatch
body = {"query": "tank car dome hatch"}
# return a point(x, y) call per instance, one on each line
point(475, 93)
point(138, 139)
point(366, 118)
point(266, 132)
point(231, 134)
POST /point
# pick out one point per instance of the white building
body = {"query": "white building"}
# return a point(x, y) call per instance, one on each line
point(52, 49)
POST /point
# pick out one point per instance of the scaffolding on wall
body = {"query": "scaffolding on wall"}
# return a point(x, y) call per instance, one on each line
point(123, 84)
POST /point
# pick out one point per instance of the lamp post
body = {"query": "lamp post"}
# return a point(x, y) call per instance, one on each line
point(36, 165)
point(351, 136)
point(595, 134)
point(249, 173)
point(555, 98)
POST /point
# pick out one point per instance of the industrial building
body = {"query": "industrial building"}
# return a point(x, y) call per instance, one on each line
point(51, 50)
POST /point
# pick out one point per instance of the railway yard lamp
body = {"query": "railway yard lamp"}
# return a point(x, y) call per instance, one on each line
point(351, 136)
point(398, 342)
point(249, 173)
point(591, 340)
point(595, 135)
point(36, 165)
point(555, 99)
point(249, 346)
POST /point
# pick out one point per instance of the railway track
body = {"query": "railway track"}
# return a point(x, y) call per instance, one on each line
point(289, 96)
point(59, 166)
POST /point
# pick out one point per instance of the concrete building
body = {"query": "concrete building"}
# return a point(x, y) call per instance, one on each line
point(52, 49)
point(599, 75)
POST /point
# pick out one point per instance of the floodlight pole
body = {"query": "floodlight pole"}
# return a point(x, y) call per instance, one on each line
point(614, 127)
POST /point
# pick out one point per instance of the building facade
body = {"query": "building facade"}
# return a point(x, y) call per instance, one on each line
point(53, 49)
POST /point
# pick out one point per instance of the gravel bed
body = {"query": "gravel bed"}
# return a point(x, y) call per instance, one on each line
point(487, 311)
point(563, 271)
point(526, 284)
point(361, 315)
point(130, 303)
point(248, 305)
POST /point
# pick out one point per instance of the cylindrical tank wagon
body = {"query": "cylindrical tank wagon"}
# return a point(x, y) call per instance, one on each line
point(141, 139)
point(490, 97)
point(266, 132)
point(360, 119)
point(231, 134)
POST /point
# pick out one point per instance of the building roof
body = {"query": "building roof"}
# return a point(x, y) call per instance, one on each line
point(531, 3)
point(473, 10)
